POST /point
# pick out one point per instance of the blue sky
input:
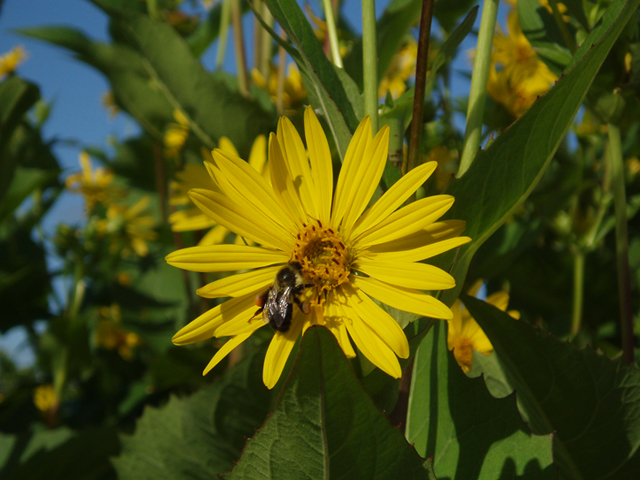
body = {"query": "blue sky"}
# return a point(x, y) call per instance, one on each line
point(75, 89)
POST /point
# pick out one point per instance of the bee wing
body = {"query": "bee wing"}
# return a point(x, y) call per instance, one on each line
point(283, 304)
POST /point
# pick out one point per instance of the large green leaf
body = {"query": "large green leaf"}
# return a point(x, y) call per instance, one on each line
point(58, 454)
point(588, 400)
point(199, 436)
point(325, 426)
point(502, 176)
point(134, 89)
point(214, 107)
point(469, 433)
point(328, 91)
point(16, 98)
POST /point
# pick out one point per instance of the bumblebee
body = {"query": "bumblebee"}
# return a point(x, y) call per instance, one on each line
point(276, 304)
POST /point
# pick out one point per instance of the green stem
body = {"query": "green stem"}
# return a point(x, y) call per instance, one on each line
point(564, 31)
point(578, 289)
point(616, 165)
point(333, 34)
point(225, 19)
point(265, 46)
point(481, 64)
point(421, 79)
point(238, 40)
point(282, 62)
point(370, 62)
point(152, 9)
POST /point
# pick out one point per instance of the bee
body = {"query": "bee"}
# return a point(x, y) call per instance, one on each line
point(276, 304)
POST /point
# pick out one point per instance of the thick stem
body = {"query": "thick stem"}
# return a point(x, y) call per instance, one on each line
point(478, 92)
point(421, 80)
point(333, 33)
point(616, 164)
point(578, 288)
point(225, 19)
point(370, 62)
point(238, 40)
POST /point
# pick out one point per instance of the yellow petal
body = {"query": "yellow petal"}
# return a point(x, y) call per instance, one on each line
point(515, 314)
point(420, 253)
point(227, 146)
point(352, 159)
point(203, 327)
point(336, 324)
point(248, 184)
point(408, 275)
point(241, 284)
point(407, 220)
point(225, 350)
point(242, 219)
point(378, 320)
point(190, 220)
point(366, 178)
point(258, 154)
point(224, 258)
point(249, 321)
point(455, 324)
point(405, 299)
point(370, 344)
point(394, 197)
point(215, 236)
point(279, 350)
point(282, 182)
point(433, 233)
point(499, 300)
point(296, 158)
point(475, 288)
point(320, 159)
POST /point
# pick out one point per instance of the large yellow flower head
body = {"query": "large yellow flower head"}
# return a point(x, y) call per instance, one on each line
point(345, 252)
point(465, 335)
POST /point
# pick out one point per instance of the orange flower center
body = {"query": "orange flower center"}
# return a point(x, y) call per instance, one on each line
point(325, 258)
point(463, 352)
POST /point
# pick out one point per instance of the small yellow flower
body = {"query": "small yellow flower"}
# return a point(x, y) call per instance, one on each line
point(346, 252)
point(176, 135)
point(294, 92)
point(130, 230)
point(196, 176)
point(94, 185)
point(44, 398)
point(465, 335)
point(401, 69)
point(10, 61)
point(517, 76)
point(562, 8)
point(111, 336)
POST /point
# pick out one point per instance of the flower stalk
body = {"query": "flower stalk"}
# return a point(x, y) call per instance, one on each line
point(616, 169)
point(478, 92)
point(241, 60)
point(225, 20)
point(421, 80)
point(370, 62)
point(333, 34)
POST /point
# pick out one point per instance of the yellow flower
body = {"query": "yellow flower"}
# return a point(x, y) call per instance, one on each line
point(465, 335)
point(562, 9)
point(294, 92)
point(176, 135)
point(44, 398)
point(402, 67)
point(517, 76)
point(196, 176)
point(111, 336)
point(95, 186)
point(131, 231)
point(11, 60)
point(347, 253)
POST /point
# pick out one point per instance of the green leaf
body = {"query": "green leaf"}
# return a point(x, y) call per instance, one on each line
point(542, 31)
point(25, 182)
point(502, 176)
point(449, 12)
point(58, 454)
point(469, 433)
point(325, 426)
point(588, 400)
point(198, 436)
point(329, 92)
point(16, 98)
point(209, 29)
point(133, 87)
